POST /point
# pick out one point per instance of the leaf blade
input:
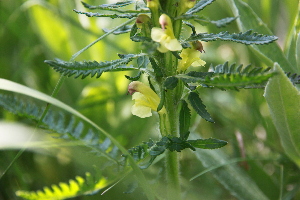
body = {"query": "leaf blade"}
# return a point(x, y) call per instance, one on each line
point(199, 107)
point(284, 104)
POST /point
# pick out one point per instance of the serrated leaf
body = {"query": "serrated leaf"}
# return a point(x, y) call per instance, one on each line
point(245, 38)
point(294, 78)
point(229, 77)
point(112, 16)
point(157, 70)
point(143, 61)
point(223, 22)
point(191, 26)
point(210, 143)
point(113, 5)
point(184, 120)
point(200, 5)
point(139, 38)
point(134, 30)
point(134, 78)
point(124, 29)
point(17, 88)
point(170, 83)
point(92, 68)
point(198, 106)
point(284, 103)
point(248, 19)
point(178, 144)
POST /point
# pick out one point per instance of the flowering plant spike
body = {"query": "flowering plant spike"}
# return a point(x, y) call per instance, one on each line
point(172, 88)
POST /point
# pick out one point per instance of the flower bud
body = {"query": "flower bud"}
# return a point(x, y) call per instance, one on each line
point(142, 19)
point(198, 46)
point(153, 4)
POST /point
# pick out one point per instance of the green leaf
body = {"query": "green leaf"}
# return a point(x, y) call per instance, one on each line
point(170, 83)
point(210, 143)
point(113, 16)
point(191, 26)
point(200, 5)
point(124, 29)
point(284, 103)
point(17, 88)
point(178, 144)
point(65, 126)
point(104, 6)
point(245, 38)
point(248, 19)
point(231, 77)
point(184, 120)
point(157, 70)
point(114, 7)
point(199, 107)
point(92, 68)
point(134, 78)
point(298, 52)
point(223, 22)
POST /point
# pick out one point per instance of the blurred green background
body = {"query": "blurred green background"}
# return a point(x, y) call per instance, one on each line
point(35, 30)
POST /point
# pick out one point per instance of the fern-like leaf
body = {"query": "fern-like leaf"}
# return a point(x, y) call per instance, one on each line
point(245, 38)
point(112, 16)
point(74, 188)
point(67, 127)
point(114, 7)
point(92, 68)
point(294, 78)
point(223, 22)
point(205, 21)
point(229, 77)
point(107, 6)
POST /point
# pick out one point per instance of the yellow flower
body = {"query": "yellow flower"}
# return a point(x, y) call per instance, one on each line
point(145, 99)
point(165, 35)
point(191, 57)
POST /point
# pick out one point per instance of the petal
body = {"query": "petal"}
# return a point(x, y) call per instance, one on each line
point(141, 111)
point(162, 49)
point(157, 34)
point(198, 63)
point(173, 45)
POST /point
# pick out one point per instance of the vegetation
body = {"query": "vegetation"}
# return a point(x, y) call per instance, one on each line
point(221, 126)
